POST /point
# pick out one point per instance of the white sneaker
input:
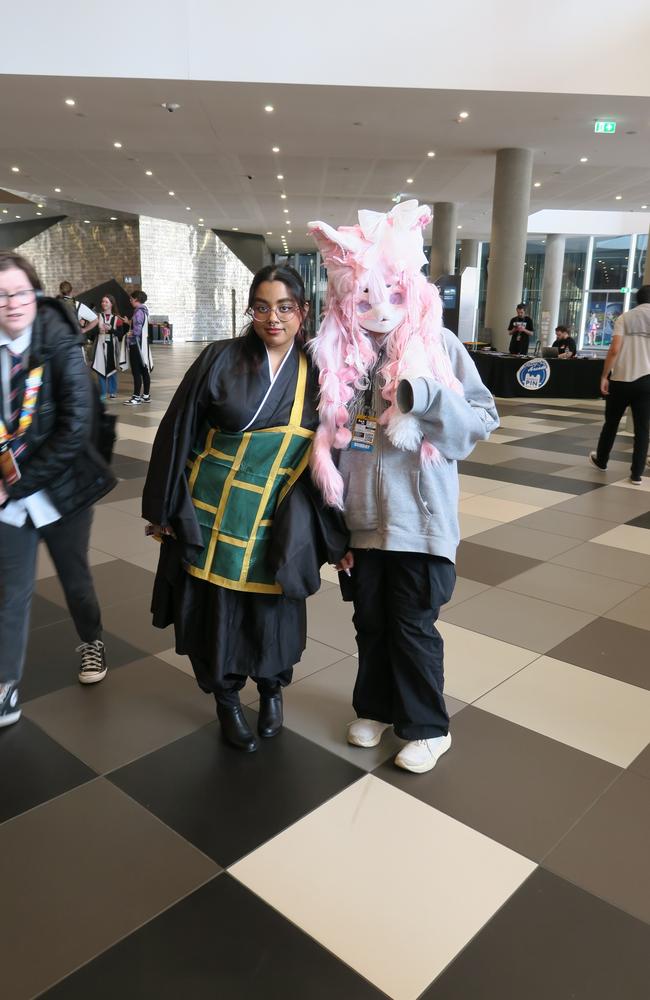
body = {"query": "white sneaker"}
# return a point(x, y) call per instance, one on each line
point(422, 755)
point(366, 732)
point(133, 401)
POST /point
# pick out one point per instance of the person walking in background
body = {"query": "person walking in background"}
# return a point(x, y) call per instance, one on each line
point(139, 350)
point(626, 382)
point(106, 348)
point(50, 472)
point(85, 318)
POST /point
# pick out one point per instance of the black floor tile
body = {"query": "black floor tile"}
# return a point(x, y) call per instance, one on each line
point(220, 943)
point(523, 478)
point(558, 442)
point(228, 803)
point(45, 612)
point(643, 521)
point(478, 562)
point(551, 941)
point(52, 662)
point(128, 468)
point(34, 769)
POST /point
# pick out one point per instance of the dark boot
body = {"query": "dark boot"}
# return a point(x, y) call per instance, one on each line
point(269, 722)
point(234, 728)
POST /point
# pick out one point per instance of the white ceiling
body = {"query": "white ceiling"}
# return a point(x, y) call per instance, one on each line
point(341, 149)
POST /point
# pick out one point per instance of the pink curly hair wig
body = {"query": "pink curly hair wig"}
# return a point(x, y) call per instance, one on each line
point(380, 250)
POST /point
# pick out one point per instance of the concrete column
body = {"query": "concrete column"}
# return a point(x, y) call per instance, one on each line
point(552, 282)
point(646, 270)
point(443, 241)
point(468, 254)
point(510, 208)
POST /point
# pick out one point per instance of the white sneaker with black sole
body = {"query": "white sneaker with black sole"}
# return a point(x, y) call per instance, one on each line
point(10, 711)
point(146, 398)
point(422, 755)
point(593, 458)
point(93, 662)
point(133, 401)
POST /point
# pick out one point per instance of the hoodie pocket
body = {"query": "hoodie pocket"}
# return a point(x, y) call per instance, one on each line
point(419, 499)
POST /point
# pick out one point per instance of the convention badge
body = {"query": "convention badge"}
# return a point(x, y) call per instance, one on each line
point(363, 432)
point(8, 466)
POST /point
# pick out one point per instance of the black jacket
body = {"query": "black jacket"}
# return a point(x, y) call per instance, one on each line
point(60, 455)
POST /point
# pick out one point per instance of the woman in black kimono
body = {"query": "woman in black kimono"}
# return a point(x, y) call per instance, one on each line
point(244, 533)
point(106, 349)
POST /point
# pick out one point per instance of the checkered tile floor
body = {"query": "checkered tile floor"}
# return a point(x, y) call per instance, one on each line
point(143, 858)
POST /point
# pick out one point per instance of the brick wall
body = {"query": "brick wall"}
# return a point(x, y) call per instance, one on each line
point(192, 277)
point(85, 255)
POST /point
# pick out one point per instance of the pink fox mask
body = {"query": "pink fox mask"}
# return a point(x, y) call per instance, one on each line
point(375, 289)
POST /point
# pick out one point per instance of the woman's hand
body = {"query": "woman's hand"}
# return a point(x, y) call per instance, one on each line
point(604, 386)
point(346, 564)
point(159, 530)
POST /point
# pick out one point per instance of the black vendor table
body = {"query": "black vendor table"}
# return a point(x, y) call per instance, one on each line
point(578, 378)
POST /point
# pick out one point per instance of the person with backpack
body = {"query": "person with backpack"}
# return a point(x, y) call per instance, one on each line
point(51, 472)
point(79, 313)
point(139, 350)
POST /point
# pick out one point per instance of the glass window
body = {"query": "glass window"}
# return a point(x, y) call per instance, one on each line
point(640, 257)
point(609, 264)
point(603, 309)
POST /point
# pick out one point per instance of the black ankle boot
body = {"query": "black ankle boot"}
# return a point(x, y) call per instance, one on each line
point(234, 728)
point(269, 722)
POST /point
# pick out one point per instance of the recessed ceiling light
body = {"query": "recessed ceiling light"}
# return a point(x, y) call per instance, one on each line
point(537, 184)
point(87, 221)
point(459, 227)
point(286, 211)
point(619, 197)
point(464, 114)
point(113, 218)
point(70, 101)
point(287, 222)
point(283, 196)
point(431, 153)
point(201, 220)
point(275, 149)
point(172, 194)
point(118, 145)
point(188, 208)
point(235, 229)
point(280, 177)
point(15, 170)
point(409, 180)
point(269, 108)
point(584, 159)
point(57, 190)
point(200, 223)
point(269, 233)
point(17, 216)
point(40, 205)
point(39, 213)
point(644, 206)
point(4, 211)
point(289, 230)
point(149, 173)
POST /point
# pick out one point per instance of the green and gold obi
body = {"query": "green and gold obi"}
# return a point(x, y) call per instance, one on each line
point(237, 481)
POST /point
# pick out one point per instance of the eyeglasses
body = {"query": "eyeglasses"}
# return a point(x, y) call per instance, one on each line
point(283, 312)
point(22, 297)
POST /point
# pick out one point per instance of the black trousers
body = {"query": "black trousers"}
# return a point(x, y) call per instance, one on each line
point(397, 598)
point(621, 395)
point(67, 542)
point(226, 691)
point(139, 371)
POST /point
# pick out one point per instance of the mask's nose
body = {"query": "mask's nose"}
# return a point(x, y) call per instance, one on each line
point(377, 292)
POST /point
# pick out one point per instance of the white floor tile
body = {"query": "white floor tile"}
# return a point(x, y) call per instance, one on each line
point(626, 536)
point(393, 887)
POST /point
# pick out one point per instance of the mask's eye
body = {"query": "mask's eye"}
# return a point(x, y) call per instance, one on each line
point(363, 307)
point(365, 291)
point(396, 299)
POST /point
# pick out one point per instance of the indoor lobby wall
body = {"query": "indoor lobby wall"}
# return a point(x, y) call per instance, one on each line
point(85, 255)
point(192, 277)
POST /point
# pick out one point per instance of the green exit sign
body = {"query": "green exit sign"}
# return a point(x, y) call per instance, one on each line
point(605, 128)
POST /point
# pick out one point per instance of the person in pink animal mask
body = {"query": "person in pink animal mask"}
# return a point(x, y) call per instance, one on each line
point(400, 403)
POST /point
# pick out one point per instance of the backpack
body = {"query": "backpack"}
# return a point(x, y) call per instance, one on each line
point(72, 308)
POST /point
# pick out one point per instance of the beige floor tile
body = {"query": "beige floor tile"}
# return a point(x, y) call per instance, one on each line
point(570, 588)
point(633, 611)
point(476, 663)
point(495, 509)
point(174, 659)
point(417, 914)
point(477, 484)
point(626, 484)
point(626, 536)
point(526, 541)
point(530, 495)
point(329, 574)
point(605, 560)
point(132, 433)
point(465, 589)
point(585, 710)
point(470, 524)
point(498, 439)
point(532, 424)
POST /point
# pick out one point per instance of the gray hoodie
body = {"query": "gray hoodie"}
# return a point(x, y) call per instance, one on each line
point(394, 503)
